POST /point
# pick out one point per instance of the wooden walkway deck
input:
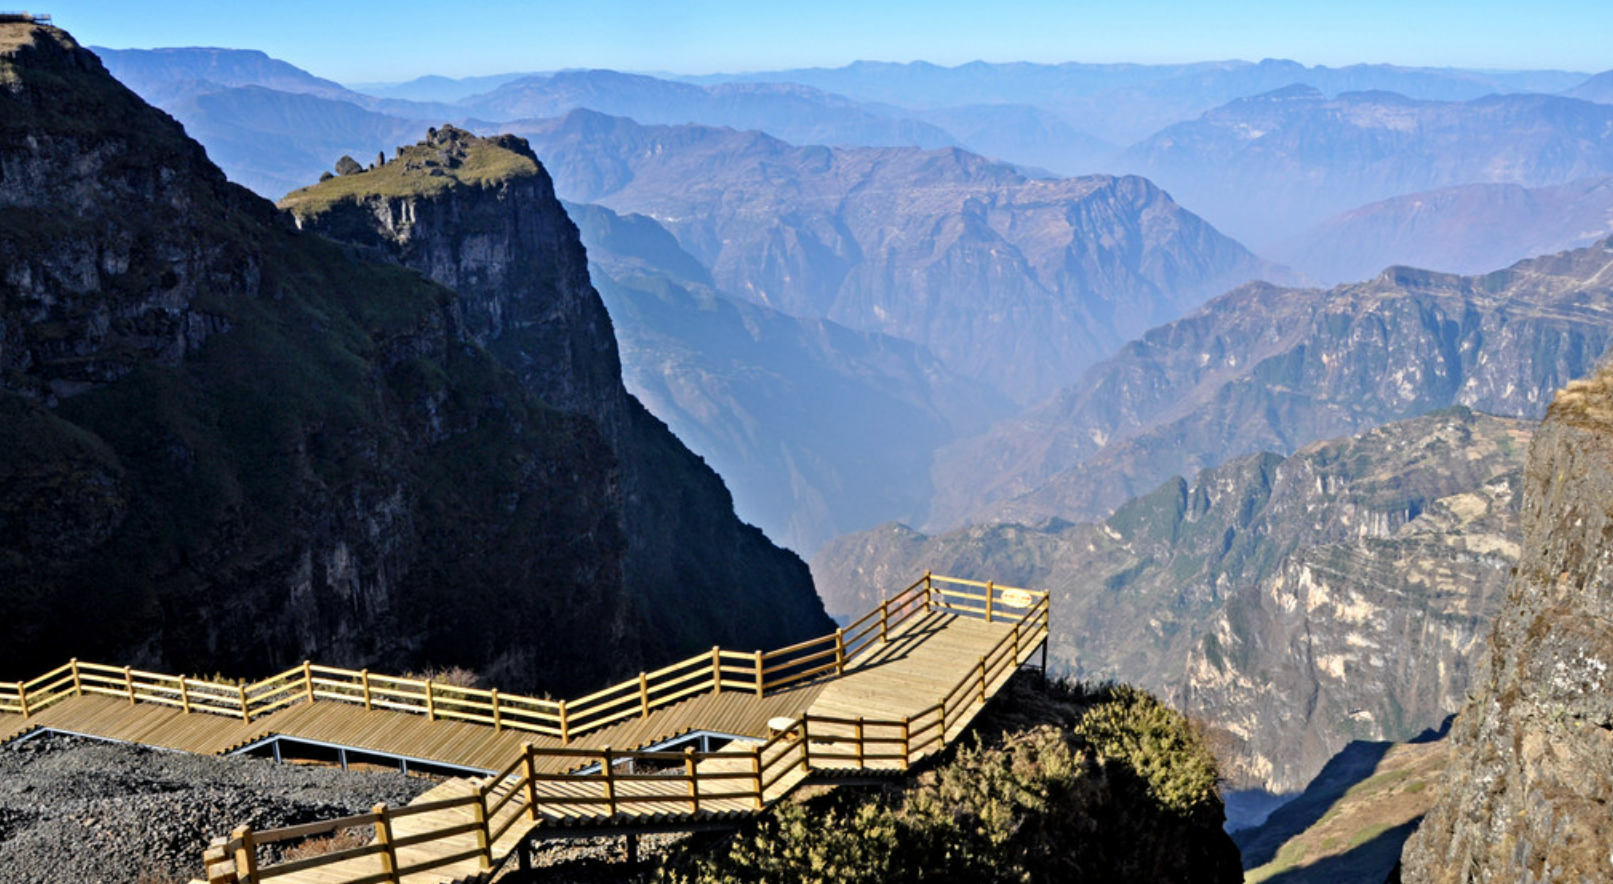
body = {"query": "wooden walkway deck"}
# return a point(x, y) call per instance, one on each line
point(873, 699)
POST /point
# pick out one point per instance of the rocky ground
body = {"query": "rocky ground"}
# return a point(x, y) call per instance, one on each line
point(84, 812)
point(76, 811)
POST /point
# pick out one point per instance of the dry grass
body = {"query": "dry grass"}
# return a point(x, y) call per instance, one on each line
point(339, 840)
point(452, 676)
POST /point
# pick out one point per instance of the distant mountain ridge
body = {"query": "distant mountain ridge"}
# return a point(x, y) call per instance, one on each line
point(1470, 228)
point(1265, 167)
point(1121, 103)
point(1598, 88)
point(1270, 369)
point(794, 113)
point(943, 248)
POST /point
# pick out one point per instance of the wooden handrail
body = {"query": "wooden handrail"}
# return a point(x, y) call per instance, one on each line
point(647, 692)
point(860, 741)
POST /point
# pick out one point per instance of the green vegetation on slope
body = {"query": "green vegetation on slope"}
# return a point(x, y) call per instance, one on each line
point(1069, 783)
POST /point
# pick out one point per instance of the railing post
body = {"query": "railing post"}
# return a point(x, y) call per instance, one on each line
point(498, 717)
point(806, 742)
point(565, 725)
point(907, 745)
point(840, 651)
point(246, 855)
point(929, 590)
point(607, 770)
point(756, 775)
point(78, 684)
point(246, 711)
point(214, 857)
point(22, 697)
point(716, 669)
point(884, 619)
point(860, 762)
point(991, 590)
point(383, 838)
point(643, 695)
point(431, 703)
point(692, 771)
point(484, 835)
point(308, 680)
point(128, 682)
point(531, 782)
point(982, 681)
point(184, 694)
point(759, 687)
point(364, 682)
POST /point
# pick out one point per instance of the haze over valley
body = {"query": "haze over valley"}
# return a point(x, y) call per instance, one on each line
point(1245, 362)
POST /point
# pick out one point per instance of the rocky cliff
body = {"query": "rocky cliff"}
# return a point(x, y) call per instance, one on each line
point(1526, 793)
point(232, 446)
point(480, 216)
point(1293, 603)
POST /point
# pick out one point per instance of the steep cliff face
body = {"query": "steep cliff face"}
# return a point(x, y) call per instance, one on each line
point(231, 446)
point(1294, 603)
point(1531, 767)
point(480, 216)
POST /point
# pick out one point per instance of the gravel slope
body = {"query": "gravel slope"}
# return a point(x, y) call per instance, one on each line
point(83, 812)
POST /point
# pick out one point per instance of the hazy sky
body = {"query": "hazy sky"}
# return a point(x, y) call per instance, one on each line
point(381, 40)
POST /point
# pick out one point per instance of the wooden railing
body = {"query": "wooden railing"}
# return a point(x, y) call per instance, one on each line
point(716, 670)
point(752, 776)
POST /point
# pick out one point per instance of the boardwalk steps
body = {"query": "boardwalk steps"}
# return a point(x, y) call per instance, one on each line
point(870, 700)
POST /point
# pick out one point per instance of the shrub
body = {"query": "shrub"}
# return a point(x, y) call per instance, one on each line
point(1088, 784)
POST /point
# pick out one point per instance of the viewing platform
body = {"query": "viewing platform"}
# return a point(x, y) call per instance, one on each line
point(869, 700)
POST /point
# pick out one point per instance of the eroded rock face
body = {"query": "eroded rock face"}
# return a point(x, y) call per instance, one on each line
point(1531, 772)
point(1293, 604)
point(480, 216)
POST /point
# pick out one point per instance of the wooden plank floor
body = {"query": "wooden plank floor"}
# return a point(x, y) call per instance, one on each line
point(399, 734)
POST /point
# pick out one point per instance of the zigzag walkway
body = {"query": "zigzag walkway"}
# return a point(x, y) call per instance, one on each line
point(872, 699)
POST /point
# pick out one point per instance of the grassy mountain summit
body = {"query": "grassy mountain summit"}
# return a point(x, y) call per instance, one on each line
point(448, 158)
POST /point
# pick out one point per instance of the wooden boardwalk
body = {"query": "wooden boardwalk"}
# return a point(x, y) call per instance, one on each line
point(872, 699)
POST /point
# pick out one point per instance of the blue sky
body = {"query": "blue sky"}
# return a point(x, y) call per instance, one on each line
point(367, 40)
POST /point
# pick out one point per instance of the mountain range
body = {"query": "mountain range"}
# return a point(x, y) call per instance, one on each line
point(1267, 368)
point(1122, 103)
point(1013, 281)
point(819, 430)
point(1267, 166)
point(1471, 228)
